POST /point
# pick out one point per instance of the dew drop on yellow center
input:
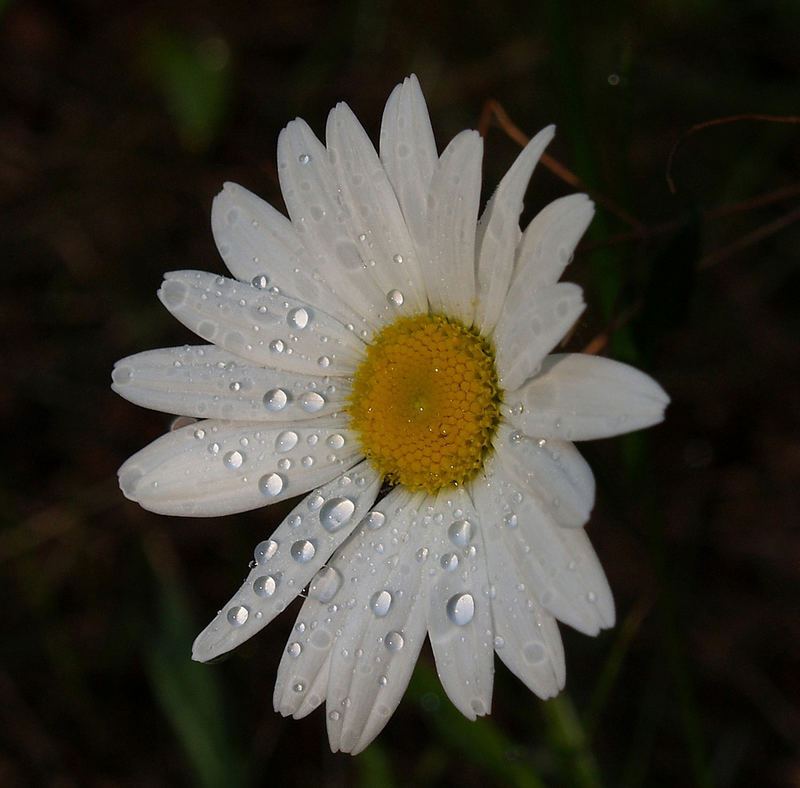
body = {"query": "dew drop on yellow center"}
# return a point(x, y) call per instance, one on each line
point(425, 402)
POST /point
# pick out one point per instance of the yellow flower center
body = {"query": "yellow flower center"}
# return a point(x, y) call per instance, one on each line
point(425, 402)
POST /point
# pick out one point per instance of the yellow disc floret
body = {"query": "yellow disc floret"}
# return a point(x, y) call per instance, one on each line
point(425, 402)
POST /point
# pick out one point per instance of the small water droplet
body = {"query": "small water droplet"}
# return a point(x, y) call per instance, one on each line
point(294, 649)
point(394, 641)
point(284, 464)
point(375, 520)
point(199, 434)
point(449, 562)
point(304, 158)
point(299, 687)
point(325, 584)
point(234, 460)
point(276, 400)
point(260, 282)
point(461, 609)
point(381, 603)
point(238, 615)
point(265, 550)
point(298, 318)
point(307, 461)
point(311, 402)
point(335, 513)
point(382, 681)
point(499, 642)
point(398, 258)
point(277, 346)
point(395, 298)
point(303, 551)
point(591, 597)
point(460, 532)
point(511, 520)
point(271, 484)
point(286, 441)
point(235, 386)
point(336, 441)
point(314, 501)
point(265, 586)
point(422, 554)
point(334, 716)
point(213, 448)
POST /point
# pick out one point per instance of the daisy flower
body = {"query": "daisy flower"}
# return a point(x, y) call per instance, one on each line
point(387, 353)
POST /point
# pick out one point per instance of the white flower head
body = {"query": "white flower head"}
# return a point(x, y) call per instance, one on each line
point(384, 333)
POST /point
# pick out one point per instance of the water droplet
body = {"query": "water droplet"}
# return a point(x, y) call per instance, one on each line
point(395, 298)
point(294, 649)
point(276, 400)
point(461, 609)
point(382, 681)
point(311, 402)
point(381, 603)
point(303, 551)
point(286, 441)
point(398, 258)
point(422, 554)
point(238, 615)
point(324, 362)
point(199, 434)
point(460, 532)
point(449, 561)
point(265, 586)
point(260, 282)
point(234, 460)
point(277, 346)
point(307, 461)
point(499, 642)
point(325, 584)
point(298, 318)
point(314, 501)
point(213, 448)
point(284, 464)
point(591, 597)
point(516, 437)
point(304, 158)
point(235, 386)
point(335, 513)
point(334, 716)
point(271, 484)
point(265, 550)
point(394, 641)
point(299, 687)
point(375, 520)
point(511, 520)
point(336, 441)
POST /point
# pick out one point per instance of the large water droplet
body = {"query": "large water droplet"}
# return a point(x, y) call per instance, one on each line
point(460, 532)
point(335, 513)
point(276, 400)
point(311, 402)
point(238, 615)
point(265, 586)
point(286, 441)
point(265, 550)
point(234, 460)
point(393, 641)
point(271, 484)
point(381, 603)
point(298, 318)
point(325, 584)
point(303, 551)
point(461, 609)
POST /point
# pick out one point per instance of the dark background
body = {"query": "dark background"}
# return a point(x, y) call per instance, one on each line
point(118, 124)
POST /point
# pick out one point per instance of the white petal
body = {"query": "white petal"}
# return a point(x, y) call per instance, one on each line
point(208, 382)
point(256, 241)
point(459, 612)
point(386, 247)
point(561, 570)
point(452, 214)
point(380, 637)
point(271, 330)
point(325, 222)
point(580, 397)
point(528, 330)
point(549, 242)
point(220, 467)
point(526, 636)
point(553, 470)
point(408, 152)
point(499, 233)
point(286, 563)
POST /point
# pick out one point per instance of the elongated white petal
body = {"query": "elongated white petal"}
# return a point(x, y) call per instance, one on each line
point(325, 223)
point(386, 248)
point(580, 397)
point(561, 569)
point(408, 152)
point(221, 467)
point(208, 382)
point(452, 215)
point(548, 244)
point(499, 233)
point(526, 636)
point(259, 244)
point(459, 612)
point(527, 332)
point(379, 641)
point(286, 562)
point(271, 330)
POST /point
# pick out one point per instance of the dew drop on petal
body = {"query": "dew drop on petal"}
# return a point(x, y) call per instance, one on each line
point(325, 584)
point(336, 441)
point(238, 615)
point(271, 484)
point(449, 561)
point(260, 282)
point(375, 520)
point(298, 318)
point(303, 551)
point(265, 550)
point(395, 298)
point(234, 460)
point(311, 402)
point(294, 649)
point(286, 441)
point(460, 532)
point(511, 520)
point(304, 158)
point(335, 513)
point(324, 362)
point(461, 609)
point(276, 400)
point(394, 641)
point(265, 586)
point(381, 603)
point(277, 346)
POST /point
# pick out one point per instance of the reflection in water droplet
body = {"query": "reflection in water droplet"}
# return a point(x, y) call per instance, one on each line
point(325, 584)
point(265, 586)
point(511, 520)
point(294, 649)
point(394, 641)
point(298, 318)
point(286, 441)
point(324, 362)
point(336, 441)
point(275, 400)
point(238, 615)
point(460, 532)
point(375, 520)
point(303, 551)
point(304, 158)
point(260, 282)
point(381, 603)
point(335, 513)
point(395, 298)
point(449, 561)
point(265, 550)
point(271, 484)
point(234, 460)
point(461, 609)
point(311, 402)
point(277, 346)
